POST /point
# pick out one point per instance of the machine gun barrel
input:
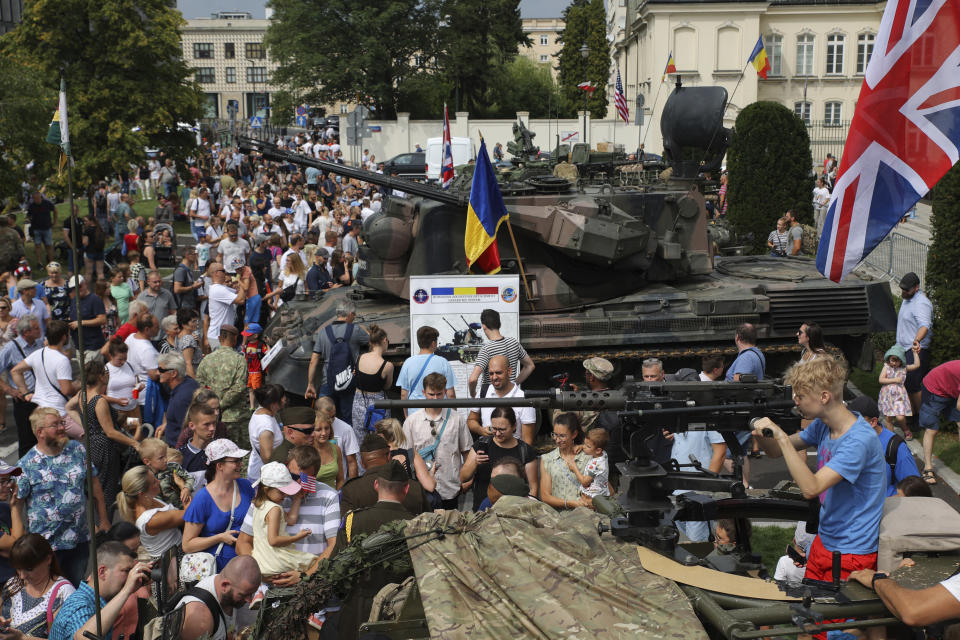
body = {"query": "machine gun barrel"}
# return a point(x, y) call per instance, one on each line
point(272, 152)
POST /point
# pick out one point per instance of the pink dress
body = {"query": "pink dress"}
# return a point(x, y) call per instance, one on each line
point(893, 400)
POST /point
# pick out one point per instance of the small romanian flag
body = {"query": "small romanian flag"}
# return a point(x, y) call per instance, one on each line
point(484, 215)
point(759, 59)
point(670, 68)
point(59, 133)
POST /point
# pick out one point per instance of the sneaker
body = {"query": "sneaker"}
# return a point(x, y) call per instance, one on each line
point(316, 622)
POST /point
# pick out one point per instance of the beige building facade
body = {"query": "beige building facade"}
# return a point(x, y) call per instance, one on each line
point(817, 51)
point(543, 33)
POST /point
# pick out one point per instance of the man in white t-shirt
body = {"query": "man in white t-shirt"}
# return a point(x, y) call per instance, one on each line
point(142, 356)
point(821, 200)
point(50, 366)
point(200, 213)
point(222, 301)
point(234, 250)
point(502, 387)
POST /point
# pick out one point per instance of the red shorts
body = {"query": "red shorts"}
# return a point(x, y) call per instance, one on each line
point(820, 567)
point(255, 381)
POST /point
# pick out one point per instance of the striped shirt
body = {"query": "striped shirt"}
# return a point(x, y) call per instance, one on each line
point(319, 512)
point(76, 610)
point(505, 346)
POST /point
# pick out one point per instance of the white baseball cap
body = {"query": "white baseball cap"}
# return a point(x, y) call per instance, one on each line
point(276, 476)
point(224, 448)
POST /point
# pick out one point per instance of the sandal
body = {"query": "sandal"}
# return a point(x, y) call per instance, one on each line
point(929, 477)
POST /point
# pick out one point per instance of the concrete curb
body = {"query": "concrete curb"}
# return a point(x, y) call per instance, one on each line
point(945, 473)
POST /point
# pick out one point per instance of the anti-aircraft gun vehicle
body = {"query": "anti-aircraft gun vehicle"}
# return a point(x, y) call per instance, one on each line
point(526, 570)
point(623, 272)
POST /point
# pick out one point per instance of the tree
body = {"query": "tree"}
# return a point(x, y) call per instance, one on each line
point(342, 50)
point(585, 21)
point(525, 85)
point(476, 42)
point(769, 166)
point(26, 107)
point(942, 261)
point(127, 85)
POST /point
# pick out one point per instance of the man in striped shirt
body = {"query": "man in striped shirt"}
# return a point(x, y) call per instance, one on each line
point(521, 365)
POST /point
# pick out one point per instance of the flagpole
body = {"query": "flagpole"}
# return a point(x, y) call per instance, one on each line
point(653, 111)
point(723, 113)
point(91, 524)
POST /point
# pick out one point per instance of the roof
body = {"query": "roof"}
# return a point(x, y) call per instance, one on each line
point(192, 9)
point(542, 8)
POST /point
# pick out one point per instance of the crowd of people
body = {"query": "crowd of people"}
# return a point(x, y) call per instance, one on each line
point(246, 487)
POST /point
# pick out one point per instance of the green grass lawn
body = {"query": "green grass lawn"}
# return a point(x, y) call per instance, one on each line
point(770, 543)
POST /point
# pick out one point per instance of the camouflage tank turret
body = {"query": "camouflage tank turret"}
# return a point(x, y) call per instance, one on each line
point(623, 272)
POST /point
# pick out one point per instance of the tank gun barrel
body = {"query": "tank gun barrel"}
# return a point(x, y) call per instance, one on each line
point(272, 152)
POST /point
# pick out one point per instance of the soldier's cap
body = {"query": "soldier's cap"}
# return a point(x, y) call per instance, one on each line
point(599, 367)
point(909, 281)
point(26, 283)
point(510, 485)
point(394, 473)
point(865, 406)
point(373, 442)
point(297, 415)
point(229, 329)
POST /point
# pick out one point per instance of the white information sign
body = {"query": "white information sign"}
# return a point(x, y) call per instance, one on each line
point(271, 354)
point(452, 305)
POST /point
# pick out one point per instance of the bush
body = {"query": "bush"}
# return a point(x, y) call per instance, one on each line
point(942, 261)
point(769, 165)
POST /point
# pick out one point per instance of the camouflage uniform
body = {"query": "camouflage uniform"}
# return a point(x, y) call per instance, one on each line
point(225, 371)
point(169, 490)
point(11, 248)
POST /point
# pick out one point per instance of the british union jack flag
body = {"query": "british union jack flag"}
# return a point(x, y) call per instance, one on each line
point(446, 164)
point(905, 131)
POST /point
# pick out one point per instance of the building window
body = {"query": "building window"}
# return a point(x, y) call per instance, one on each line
point(805, 55)
point(205, 75)
point(544, 40)
point(835, 54)
point(544, 57)
point(256, 74)
point(210, 104)
point(832, 114)
point(802, 109)
point(774, 46)
point(417, 61)
point(229, 50)
point(343, 108)
point(864, 51)
point(231, 75)
point(203, 50)
point(255, 50)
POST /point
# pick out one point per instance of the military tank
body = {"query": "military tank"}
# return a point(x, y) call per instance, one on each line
point(624, 272)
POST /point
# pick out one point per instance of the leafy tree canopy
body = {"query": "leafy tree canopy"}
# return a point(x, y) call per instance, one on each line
point(127, 85)
point(942, 260)
point(585, 21)
point(26, 107)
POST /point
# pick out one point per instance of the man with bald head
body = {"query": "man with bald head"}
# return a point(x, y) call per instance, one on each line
point(231, 589)
point(501, 386)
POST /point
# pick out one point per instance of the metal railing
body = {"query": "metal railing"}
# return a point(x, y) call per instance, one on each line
point(827, 137)
point(897, 255)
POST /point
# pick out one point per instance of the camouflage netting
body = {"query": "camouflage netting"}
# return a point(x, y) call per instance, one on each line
point(525, 570)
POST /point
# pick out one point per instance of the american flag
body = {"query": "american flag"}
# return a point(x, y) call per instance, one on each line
point(446, 165)
point(905, 132)
point(309, 483)
point(620, 100)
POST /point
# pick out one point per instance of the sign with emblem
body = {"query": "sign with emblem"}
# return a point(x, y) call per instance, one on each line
point(452, 305)
point(302, 121)
point(256, 122)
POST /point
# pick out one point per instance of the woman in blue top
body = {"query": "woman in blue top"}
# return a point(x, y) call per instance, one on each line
point(213, 519)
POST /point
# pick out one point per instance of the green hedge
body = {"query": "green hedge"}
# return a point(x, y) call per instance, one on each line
point(942, 260)
point(769, 166)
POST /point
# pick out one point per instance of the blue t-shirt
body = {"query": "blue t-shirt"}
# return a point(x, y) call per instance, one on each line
point(177, 407)
point(851, 510)
point(412, 367)
point(906, 466)
point(204, 511)
point(748, 361)
point(697, 443)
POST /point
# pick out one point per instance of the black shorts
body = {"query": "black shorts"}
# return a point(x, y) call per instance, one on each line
point(915, 377)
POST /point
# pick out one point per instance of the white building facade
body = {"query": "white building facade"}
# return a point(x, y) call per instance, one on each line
point(818, 51)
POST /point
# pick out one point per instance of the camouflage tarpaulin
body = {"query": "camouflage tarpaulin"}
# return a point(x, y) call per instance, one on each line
point(524, 570)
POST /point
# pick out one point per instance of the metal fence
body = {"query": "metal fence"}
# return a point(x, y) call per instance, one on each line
point(225, 131)
point(827, 137)
point(898, 255)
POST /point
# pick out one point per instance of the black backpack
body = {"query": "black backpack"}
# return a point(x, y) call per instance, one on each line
point(170, 625)
point(340, 363)
point(893, 446)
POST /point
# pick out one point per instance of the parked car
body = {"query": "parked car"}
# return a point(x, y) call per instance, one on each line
point(407, 165)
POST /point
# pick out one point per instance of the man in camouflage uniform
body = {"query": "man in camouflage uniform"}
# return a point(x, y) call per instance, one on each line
point(225, 371)
point(392, 486)
point(11, 246)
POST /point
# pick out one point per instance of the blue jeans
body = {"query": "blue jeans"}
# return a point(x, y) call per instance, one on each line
point(253, 309)
point(198, 230)
point(342, 399)
point(73, 562)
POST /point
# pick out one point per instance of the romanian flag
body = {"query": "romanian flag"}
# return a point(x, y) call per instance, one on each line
point(759, 59)
point(59, 133)
point(484, 215)
point(670, 68)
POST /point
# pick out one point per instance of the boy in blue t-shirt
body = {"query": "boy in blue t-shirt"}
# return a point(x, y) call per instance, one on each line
point(850, 475)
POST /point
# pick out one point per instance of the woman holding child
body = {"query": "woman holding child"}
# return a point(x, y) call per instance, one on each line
point(559, 486)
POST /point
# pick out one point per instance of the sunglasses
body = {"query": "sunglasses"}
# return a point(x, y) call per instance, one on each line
point(305, 430)
point(162, 370)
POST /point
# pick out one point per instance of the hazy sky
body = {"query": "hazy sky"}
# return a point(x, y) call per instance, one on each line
point(203, 8)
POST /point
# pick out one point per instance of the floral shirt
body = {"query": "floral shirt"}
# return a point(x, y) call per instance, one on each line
point(53, 487)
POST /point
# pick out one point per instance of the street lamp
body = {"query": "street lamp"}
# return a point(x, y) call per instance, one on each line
point(585, 53)
point(253, 81)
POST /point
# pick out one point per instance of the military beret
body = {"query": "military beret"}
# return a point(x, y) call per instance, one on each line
point(297, 415)
point(510, 485)
point(373, 442)
point(395, 472)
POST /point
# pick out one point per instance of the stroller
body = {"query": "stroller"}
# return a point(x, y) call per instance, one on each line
point(165, 256)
